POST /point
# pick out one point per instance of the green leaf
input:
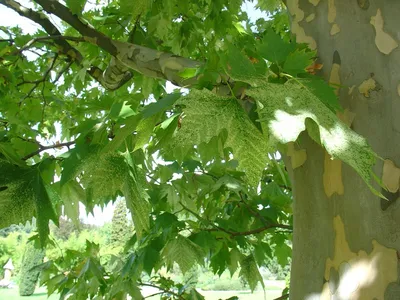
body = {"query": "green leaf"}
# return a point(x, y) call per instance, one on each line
point(324, 92)
point(145, 130)
point(120, 136)
point(10, 154)
point(250, 272)
point(298, 61)
point(24, 148)
point(184, 252)
point(24, 195)
point(268, 5)
point(234, 259)
point(195, 295)
point(76, 6)
point(121, 110)
point(71, 194)
point(274, 49)
point(161, 105)
point(104, 175)
point(240, 68)
point(136, 197)
point(285, 109)
point(207, 115)
point(151, 257)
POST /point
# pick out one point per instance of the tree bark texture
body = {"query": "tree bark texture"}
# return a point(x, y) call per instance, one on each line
point(346, 239)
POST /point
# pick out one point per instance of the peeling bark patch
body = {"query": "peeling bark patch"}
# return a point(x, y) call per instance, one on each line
point(314, 2)
point(334, 77)
point(310, 17)
point(297, 157)
point(398, 89)
point(331, 11)
point(391, 176)
point(298, 16)
point(383, 40)
point(361, 275)
point(335, 29)
point(364, 4)
point(332, 177)
point(366, 86)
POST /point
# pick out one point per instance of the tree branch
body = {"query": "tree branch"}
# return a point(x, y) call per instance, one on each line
point(90, 34)
point(43, 148)
point(37, 82)
point(63, 45)
point(249, 232)
point(235, 233)
point(286, 296)
point(162, 289)
point(51, 37)
point(147, 61)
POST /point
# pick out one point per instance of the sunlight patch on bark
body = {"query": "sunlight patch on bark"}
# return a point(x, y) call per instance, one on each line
point(361, 275)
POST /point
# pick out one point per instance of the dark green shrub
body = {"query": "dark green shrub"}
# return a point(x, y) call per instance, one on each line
point(28, 277)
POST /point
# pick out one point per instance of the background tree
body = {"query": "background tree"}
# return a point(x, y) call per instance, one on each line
point(221, 196)
point(120, 231)
point(28, 278)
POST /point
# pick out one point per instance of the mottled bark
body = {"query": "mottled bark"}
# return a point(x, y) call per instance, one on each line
point(346, 239)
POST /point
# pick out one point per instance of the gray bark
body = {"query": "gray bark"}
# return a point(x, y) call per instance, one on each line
point(360, 262)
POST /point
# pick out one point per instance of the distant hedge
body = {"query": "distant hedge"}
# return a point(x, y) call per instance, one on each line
point(28, 277)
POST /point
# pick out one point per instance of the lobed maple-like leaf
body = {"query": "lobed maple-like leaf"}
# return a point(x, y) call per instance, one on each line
point(184, 252)
point(24, 194)
point(207, 115)
point(285, 110)
point(250, 272)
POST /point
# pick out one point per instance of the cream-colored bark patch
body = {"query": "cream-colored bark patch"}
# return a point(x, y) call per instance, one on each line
point(298, 16)
point(332, 177)
point(351, 89)
point(297, 157)
point(314, 2)
point(331, 11)
point(361, 275)
point(335, 29)
point(383, 40)
point(391, 176)
point(334, 77)
point(310, 17)
point(366, 86)
point(398, 89)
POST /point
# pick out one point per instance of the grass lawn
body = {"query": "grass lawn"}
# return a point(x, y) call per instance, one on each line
point(243, 295)
point(12, 294)
point(41, 294)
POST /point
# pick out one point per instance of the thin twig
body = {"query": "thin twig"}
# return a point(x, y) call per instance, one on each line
point(37, 82)
point(43, 148)
point(66, 68)
point(253, 212)
point(162, 289)
point(50, 37)
point(286, 296)
point(235, 233)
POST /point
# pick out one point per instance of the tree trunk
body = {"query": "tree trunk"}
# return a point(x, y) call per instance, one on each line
point(346, 239)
